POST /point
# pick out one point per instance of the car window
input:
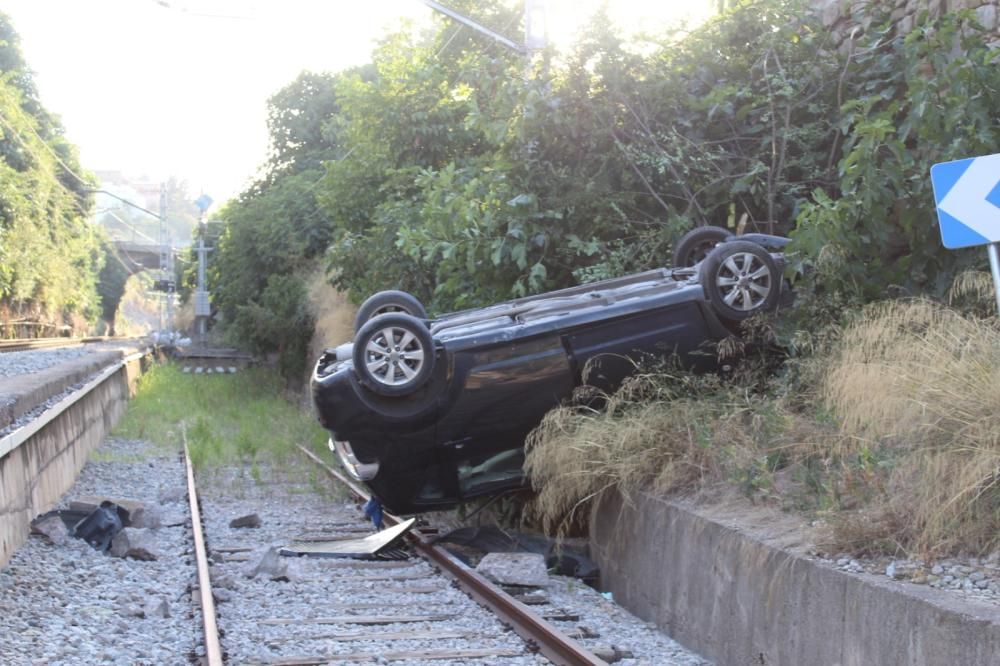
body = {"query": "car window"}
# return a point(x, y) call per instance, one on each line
point(481, 474)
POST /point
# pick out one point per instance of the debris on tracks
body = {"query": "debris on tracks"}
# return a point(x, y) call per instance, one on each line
point(251, 520)
point(369, 547)
point(135, 542)
point(520, 569)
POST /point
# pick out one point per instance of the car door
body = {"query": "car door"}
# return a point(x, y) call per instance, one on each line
point(605, 352)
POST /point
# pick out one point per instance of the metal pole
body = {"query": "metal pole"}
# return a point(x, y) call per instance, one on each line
point(478, 27)
point(202, 323)
point(991, 250)
point(163, 251)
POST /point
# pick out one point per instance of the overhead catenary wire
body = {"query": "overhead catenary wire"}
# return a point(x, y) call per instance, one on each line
point(73, 196)
point(45, 145)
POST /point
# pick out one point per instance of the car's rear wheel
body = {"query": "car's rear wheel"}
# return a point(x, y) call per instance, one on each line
point(385, 302)
point(741, 279)
point(394, 354)
point(696, 244)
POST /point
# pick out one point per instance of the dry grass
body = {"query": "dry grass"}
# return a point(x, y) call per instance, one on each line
point(659, 432)
point(890, 434)
point(919, 381)
point(334, 322)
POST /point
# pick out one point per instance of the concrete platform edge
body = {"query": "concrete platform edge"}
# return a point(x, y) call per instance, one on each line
point(36, 474)
point(739, 596)
point(23, 393)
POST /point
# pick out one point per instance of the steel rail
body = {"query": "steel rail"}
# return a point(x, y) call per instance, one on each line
point(48, 343)
point(213, 650)
point(537, 632)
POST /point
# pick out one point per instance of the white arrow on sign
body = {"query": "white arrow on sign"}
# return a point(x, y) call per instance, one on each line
point(966, 201)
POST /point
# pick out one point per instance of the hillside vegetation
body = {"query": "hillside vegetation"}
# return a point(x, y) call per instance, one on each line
point(450, 169)
point(49, 255)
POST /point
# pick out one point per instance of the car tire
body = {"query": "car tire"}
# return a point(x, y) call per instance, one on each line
point(394, 354)
point(741, 279)
point(696, 244)
point(388, 301)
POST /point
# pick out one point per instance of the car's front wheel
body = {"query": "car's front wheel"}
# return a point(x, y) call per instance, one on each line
point(741, 279)
point(394, 354)
point(385, 302)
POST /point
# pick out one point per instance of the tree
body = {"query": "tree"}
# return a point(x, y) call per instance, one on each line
point(275, 229)
point(49, 254)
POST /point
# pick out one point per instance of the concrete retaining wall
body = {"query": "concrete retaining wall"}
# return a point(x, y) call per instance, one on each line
point(745, 594)
point(35, 475)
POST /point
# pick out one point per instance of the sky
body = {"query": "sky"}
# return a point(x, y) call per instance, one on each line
point(178, 88)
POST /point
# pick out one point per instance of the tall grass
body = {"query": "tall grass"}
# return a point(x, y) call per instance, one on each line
point(890, 433)
point(225, 418)
point(663, 432)
point(920, 381)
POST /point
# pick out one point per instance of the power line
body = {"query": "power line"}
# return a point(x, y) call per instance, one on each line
point(133, 228)
point(45, 167)
point(44, 145)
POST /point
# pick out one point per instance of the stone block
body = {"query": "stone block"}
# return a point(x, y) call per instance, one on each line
point(525, 569)
point(251, 520)
point(136, 543)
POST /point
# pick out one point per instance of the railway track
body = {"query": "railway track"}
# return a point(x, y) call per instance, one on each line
point(239, 602)
point(51, 343)
point(414, 606)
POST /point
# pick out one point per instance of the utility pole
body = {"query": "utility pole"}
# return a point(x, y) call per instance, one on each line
point(166, 266)
point(202, 307)
point(534, 26)
point(535, 40)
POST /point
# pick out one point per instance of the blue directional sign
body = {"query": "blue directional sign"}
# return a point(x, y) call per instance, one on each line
point(203, 202)
point(967, 193)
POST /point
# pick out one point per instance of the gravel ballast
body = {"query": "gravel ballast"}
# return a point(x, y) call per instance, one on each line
point(265, 619)
point(17, 363)
point(71, 604)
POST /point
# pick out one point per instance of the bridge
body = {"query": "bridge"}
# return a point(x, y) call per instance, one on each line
point(144, 256)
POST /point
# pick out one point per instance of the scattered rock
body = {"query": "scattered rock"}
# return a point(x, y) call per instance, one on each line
point(903, 570)
point(137, 543)
point(612, 653)
point(269, 564)
point(221, 596)
point(156, 607)
point(53, 529)
point(222, 581)
point(250, 520)
point(526, 569)
point(149, 517)
point(295, 571)
point(132, 609)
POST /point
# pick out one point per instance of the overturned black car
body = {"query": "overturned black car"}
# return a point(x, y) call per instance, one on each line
point(432, 412)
